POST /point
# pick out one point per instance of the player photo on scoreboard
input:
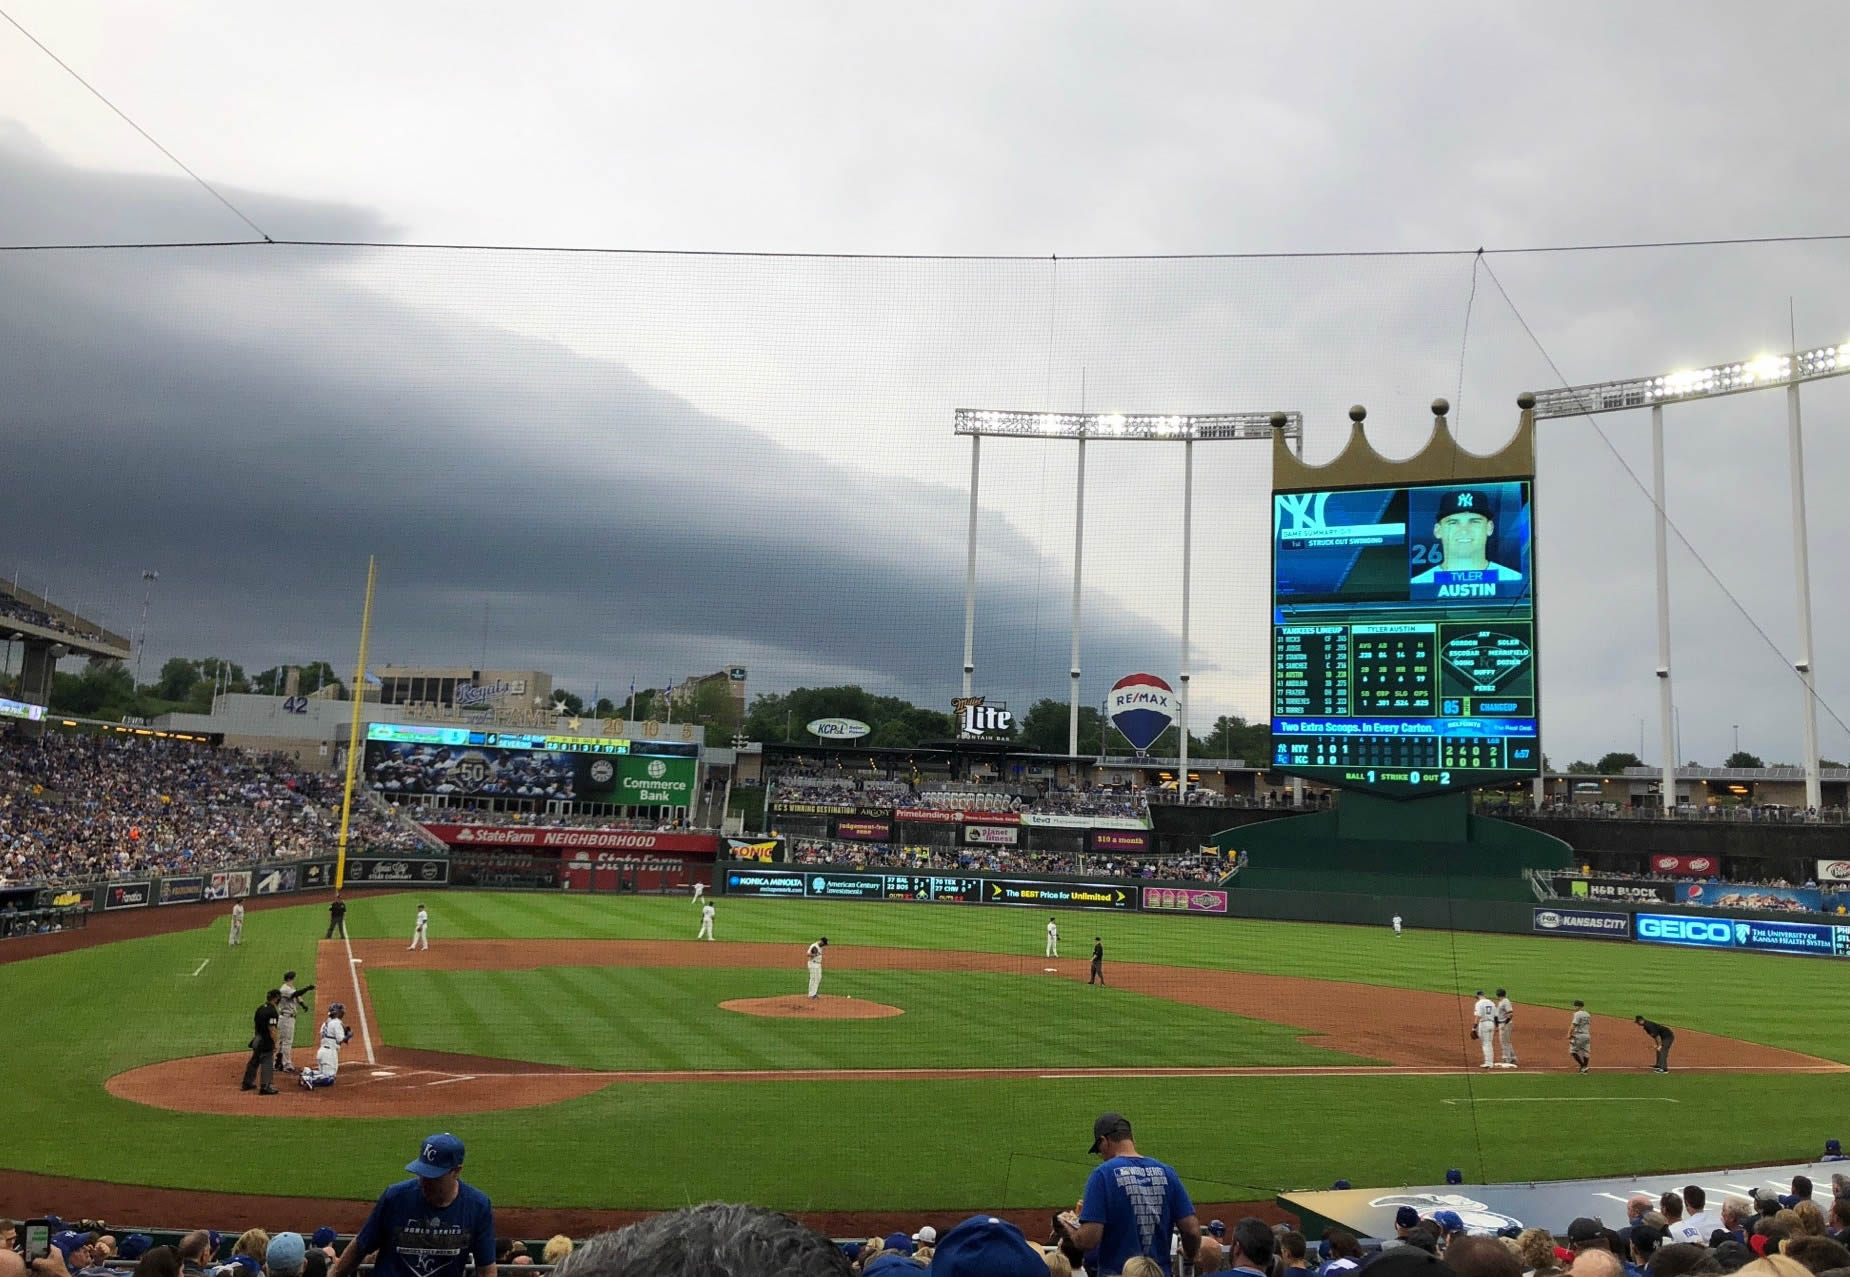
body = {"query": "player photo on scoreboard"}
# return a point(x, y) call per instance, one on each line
point(1478, 546)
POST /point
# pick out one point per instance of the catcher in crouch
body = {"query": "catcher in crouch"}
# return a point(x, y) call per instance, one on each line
point(334, 1035)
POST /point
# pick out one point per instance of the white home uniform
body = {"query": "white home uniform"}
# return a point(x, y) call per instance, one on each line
point(700, 889)
point(237, 922)
point(334, 1035)
point(420, 934)
point(285, 1027)
point(1396, 924)
point(706, 922)
point(1053, 939)
point(1506, 1029)
point(1484, 1011)
point(815, 968)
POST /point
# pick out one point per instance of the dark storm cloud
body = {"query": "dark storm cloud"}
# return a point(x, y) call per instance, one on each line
point(253, 423)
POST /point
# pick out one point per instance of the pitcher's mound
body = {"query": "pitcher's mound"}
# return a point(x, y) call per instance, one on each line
point(797, 1007)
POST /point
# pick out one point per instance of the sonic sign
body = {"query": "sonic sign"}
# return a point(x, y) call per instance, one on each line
point(976, 718)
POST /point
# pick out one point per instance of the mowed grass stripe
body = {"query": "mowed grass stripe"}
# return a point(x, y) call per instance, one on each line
point(669, 1018)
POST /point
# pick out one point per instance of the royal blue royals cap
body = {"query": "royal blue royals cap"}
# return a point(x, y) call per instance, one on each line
point(440, 1155)
point(1449, 1220)
point(134, 1246)
point(984, 1246)
point(324, 1236)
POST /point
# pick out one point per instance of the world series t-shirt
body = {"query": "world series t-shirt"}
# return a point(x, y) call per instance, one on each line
point(416, 1239)
point(1138, 1200)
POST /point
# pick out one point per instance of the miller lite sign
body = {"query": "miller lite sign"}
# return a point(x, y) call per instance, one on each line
point(975, 718)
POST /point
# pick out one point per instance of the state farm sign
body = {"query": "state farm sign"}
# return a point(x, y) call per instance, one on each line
point(568, 839)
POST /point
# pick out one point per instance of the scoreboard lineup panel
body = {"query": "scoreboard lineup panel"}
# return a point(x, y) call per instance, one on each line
point(425, 734)
point(1403, 636)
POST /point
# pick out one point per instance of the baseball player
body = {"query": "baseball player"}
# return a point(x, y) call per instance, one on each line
point(1396, 924)
point(815, 965)
point(286, 1011)
point(706, 921)
point(1580, 1036)
point(420, 933)
point(237, 922)
point(700, 889)
point(1053, 938)
point(1484, 1014)
point(1098, 961)
point(1506, 1028)
point(334, 1035)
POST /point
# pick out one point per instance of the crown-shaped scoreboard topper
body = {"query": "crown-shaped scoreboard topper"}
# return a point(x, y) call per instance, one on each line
point(1442, 459)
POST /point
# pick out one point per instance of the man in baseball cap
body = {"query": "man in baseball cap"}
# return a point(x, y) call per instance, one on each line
point(449, 1221)
point(1464, 526)
point(1133, 1205)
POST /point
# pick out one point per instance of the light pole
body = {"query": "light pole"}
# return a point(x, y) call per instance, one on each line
point(1737, 738)
point(1110, 427)
point(147, 600)
point(1766, 372)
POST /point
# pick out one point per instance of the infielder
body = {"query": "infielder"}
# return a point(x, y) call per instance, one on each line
point(1506, 1028)
point(1484, 1012)
point(1053, 938)
point(1396, 924)
point(706, 921)
point(237, 922)
point(700, 889)
point(334, 1035)
point(1580, 1036)
point(420, 933)
point(815, 965)
point(286, 1011)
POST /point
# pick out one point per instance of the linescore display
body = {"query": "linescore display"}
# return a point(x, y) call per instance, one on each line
point(1403, 636)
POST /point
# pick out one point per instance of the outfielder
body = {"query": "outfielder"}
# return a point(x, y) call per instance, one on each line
point(700, 889)
point(334, 1035)
point(1053, 938)
point(420, 933)
point(815, 965)
point(286, 1011)
point(1484, 1013)
point(1580, 1036)
point(237, 922)
point(1506, 1028)
point(1396, 924)
point(706, 921)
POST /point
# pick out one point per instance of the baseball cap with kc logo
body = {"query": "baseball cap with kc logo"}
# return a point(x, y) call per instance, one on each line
point(440, 1155)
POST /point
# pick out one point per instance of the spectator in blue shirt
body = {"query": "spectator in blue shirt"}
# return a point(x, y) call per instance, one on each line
point(1133, 1205)
point(430, 1226)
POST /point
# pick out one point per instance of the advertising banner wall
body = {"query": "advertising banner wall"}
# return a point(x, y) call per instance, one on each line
point(1134, 841)
point(1070, 895)
point(763, 882)
point(865, 830)
point(1583, 922)
point(1052, 821)
point(1613, 889)
point(655, 782)
point(502, 867)
point(365, 871)
point(935, 816)
point(228, 884)
point(1816, 939)
point(316, 874)
point(991, 835)
point(1184, 900)
point(765, 850)
point(180, 891)
point(1834, 871)
point(831, 809)
point(268, 882)
point(567, 838)
point(1685, 866)
point(128, 895)
point(620, 871)
point(1720, 895)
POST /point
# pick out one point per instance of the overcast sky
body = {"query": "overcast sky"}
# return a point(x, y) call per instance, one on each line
point(650, 465)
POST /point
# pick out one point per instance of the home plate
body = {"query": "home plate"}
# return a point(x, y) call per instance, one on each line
point(385, 1075)
point(1050, 968)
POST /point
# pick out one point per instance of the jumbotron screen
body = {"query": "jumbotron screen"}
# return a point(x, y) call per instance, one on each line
point(1403, 636)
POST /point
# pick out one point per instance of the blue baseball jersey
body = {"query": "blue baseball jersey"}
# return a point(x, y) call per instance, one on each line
point(416, 1239)
point(1138, 1200)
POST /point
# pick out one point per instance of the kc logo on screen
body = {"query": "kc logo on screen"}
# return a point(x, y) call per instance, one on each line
point(1667, 929)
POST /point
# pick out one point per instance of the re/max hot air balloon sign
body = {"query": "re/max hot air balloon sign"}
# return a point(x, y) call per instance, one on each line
point(1141, 706)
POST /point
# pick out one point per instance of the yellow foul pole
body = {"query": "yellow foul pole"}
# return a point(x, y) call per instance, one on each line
point(353, 734)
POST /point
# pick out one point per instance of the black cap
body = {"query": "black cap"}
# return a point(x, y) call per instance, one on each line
point(1109, 1126)
point(1585, 1230)
point(1464, 501)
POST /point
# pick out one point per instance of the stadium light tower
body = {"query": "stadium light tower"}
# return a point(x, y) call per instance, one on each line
point(1767, 372)
point(1108, 427)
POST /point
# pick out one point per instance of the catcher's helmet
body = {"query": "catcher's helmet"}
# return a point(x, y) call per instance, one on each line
point(337, 1009)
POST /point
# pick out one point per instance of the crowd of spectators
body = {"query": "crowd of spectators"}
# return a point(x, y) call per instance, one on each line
point(1649, 809)
point(79, 808)
point(19, 610)
point(431, 814)
point(842, 854)
point(1134, 1218)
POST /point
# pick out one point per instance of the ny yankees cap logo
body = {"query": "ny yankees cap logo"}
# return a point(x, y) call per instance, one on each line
point(1464, 500)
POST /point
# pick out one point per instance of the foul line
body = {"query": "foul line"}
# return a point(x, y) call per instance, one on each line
point(460, 1077)
point(359, 998)
point(1564, 1100)
point(201, 967)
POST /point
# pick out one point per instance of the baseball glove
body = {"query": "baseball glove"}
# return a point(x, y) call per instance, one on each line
point(1474, 1034)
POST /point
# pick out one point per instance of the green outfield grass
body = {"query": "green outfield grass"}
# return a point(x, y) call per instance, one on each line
point(624, 1018)
point(72, 1020)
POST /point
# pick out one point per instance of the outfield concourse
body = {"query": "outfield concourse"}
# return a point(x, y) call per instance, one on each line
point(1329, 1102)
